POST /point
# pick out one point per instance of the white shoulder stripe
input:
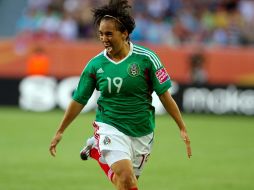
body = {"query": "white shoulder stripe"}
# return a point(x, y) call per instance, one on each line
point(151, 59)
point(149, 52)
point(151, 55)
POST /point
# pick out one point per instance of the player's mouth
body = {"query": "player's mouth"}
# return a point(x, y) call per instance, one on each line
point(108, 48)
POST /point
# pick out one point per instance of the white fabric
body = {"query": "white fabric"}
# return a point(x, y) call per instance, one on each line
point(115, 146)
point(113, 156)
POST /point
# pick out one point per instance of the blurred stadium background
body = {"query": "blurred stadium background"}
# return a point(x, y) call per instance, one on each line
point(208, 50)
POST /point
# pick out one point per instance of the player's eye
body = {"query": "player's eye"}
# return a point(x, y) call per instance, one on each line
point(108, 34)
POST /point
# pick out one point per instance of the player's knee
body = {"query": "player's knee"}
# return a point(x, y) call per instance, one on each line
point(127, 178)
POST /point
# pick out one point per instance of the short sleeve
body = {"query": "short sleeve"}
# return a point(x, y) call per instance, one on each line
point(86, 85)
point(159, 75)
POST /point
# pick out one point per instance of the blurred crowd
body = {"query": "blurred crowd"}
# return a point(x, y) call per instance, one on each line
point(173, 22)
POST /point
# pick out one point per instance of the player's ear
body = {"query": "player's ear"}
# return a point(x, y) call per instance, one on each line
point(125, 35)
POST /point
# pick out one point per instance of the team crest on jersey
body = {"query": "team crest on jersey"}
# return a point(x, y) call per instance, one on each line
point(106, 140)
point(133, 70)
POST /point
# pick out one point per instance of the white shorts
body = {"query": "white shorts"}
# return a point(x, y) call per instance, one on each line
point(115, 145)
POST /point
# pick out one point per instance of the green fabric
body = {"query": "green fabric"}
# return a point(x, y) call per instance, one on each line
point(126, 87)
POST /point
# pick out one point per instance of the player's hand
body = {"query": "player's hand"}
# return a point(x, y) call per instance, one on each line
point(54, 142)
point(186, 140)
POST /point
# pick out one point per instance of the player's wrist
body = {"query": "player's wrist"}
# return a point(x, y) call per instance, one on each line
point(59, 133)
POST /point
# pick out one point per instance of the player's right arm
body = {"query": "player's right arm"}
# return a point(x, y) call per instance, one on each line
point(80, 97)
point(71, 113)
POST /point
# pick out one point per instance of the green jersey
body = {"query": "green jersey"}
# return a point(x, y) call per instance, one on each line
point(125, 87)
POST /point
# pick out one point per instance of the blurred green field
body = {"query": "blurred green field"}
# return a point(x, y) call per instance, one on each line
point(223, 154)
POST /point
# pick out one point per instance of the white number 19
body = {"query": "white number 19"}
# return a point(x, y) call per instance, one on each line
point(117, 81)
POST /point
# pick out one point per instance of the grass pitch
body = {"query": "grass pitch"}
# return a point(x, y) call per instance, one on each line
point(223, 154)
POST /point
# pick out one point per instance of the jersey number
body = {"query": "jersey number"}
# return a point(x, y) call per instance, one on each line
point(117, 82)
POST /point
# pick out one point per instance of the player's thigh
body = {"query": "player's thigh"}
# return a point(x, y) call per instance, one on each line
point(123, 168)
point(124, 174)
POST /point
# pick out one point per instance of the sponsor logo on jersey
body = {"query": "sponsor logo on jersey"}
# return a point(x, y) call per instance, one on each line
point(133, 70)
point(162, 75)
point(106, 140)
point(100, 70)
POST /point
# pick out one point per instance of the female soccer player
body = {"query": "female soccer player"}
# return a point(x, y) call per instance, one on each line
point(126, 75)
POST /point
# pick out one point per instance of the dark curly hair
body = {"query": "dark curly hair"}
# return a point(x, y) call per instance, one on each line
point(117, 10)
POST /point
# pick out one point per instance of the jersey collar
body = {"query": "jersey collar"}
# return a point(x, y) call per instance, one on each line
point(129, 54)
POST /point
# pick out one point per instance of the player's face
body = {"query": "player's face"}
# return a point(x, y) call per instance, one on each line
point(112, 39)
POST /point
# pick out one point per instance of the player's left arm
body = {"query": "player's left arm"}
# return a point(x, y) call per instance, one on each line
point(172, 108)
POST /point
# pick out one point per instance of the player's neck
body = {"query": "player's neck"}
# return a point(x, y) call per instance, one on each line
point(121, 54)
